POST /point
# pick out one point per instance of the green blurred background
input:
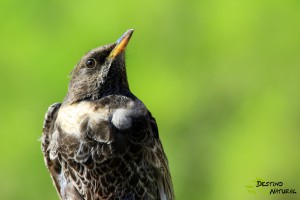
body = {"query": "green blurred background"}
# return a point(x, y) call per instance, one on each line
point(220, 76)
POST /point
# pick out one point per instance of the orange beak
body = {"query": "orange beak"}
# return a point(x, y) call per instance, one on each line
point(121, 44)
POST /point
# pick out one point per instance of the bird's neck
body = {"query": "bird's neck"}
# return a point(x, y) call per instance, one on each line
point(116, 85)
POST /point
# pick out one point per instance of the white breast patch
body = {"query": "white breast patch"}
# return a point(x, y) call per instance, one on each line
point(71, 117)
point(122, 117)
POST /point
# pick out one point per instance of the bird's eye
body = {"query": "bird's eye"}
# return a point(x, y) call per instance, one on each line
point(90, 63)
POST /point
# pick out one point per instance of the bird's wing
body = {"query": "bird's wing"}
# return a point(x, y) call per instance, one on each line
point(53, 165)
point(156, 157)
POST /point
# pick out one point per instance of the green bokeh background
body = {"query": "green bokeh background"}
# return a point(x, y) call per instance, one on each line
point(220, 76)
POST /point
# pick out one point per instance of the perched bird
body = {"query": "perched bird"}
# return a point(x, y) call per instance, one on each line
point(101, 142)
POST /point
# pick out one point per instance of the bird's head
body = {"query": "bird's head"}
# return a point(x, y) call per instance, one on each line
point(100, 72)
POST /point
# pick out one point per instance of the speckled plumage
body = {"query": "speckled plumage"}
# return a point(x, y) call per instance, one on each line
point(102, 142)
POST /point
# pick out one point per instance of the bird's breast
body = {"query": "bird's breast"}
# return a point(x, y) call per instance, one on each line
point(71, 118)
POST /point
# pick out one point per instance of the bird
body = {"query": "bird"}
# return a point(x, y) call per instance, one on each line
point(101, 142)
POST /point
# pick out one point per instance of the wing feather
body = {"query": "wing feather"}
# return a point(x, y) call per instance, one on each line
point(157, 157)
point(53, 165)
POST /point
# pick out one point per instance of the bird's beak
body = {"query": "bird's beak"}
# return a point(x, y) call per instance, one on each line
point(121, 44)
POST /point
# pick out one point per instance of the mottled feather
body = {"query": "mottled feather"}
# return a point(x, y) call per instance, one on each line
point(102, 143)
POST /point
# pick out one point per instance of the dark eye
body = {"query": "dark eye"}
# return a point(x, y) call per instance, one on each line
point(90, 63)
